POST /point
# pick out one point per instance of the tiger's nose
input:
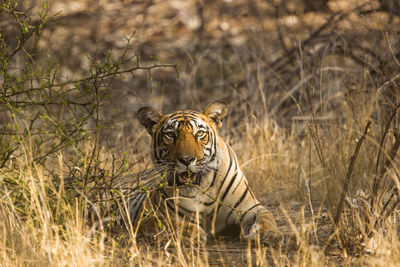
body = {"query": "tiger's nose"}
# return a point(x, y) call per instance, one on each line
point(186, 160)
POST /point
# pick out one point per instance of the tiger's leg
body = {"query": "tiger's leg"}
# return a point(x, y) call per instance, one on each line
point(262, 225)
point(136, 209)
point(188, 226)
point(192, 231)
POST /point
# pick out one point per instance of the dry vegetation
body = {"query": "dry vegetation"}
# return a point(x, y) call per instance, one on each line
point(313, 89)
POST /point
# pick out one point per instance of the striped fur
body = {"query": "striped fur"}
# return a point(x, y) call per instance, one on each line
point(202, 173)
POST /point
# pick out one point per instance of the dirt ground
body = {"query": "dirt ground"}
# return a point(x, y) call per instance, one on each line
point(231, 251)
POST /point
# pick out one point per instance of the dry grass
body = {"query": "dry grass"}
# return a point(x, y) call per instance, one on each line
point(314, 120)
point(41, 225)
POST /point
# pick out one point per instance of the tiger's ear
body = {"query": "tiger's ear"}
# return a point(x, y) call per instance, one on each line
point(149, 117)
point(216, 112)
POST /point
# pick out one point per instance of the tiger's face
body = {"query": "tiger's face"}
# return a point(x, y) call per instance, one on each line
point(184, 142)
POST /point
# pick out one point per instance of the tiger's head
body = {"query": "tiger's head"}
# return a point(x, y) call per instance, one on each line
point(184, 142)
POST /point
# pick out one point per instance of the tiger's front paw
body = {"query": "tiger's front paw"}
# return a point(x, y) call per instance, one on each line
point(266, 230)
point(194, 232)
point(267, 236)
point(273, 238)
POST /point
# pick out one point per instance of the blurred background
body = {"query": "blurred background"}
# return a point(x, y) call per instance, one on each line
point(287, 68)
point(263, 55)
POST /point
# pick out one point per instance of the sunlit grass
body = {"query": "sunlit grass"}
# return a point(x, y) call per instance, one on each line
point(42, 225)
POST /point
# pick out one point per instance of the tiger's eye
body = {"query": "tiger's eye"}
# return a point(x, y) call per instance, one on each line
point(169, 135)
point(201, 134)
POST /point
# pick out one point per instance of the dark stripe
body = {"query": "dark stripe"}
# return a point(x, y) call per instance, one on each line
point(229, 187)
point(215, 146)
point(214, 177)
point(139, 209)
point(172, 208)
point(247, 211)
point(192, 112)
point(132, 205)
point(236, 205)
point(184, 209)
point(239, 183)
point(155, 147)
point(168, 127)
point(165, 197)
point(159, 148)
point(241, 198)
point(227, 191)
point(251, 224)
point(223, 181)
point(182, 116)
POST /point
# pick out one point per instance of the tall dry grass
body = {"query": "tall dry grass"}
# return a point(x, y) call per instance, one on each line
point(314, 120)
point(42, 225)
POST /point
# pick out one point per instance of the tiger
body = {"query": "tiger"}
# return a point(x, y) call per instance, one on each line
point(205, 185)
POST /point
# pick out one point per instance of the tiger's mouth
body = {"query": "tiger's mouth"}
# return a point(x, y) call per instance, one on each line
point(187, 177)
